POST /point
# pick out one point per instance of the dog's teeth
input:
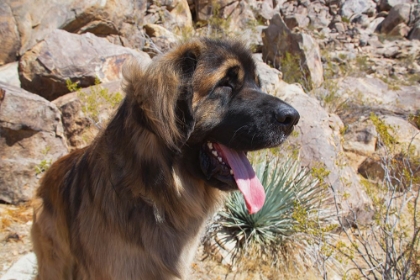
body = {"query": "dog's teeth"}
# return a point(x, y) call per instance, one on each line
point(214, 153)
point(210, 145)
point(231, 172)
point(219, 158)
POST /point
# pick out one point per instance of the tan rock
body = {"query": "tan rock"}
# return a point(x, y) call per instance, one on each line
point(10, 40)
point(31, 137)
point(299, 51)
point(319, 142)
point(81, 58)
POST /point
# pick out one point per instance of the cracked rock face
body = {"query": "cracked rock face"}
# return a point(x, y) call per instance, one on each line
point(64, 56)
point(31, 137)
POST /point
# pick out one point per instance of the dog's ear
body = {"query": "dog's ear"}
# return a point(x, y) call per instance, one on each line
point(162, 93)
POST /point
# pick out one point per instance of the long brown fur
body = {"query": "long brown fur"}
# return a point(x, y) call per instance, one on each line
point(132, 205)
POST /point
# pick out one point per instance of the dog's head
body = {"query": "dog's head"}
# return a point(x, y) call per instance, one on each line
point(203, 100)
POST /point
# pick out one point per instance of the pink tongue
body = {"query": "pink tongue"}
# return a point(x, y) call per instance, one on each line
point(245, 178)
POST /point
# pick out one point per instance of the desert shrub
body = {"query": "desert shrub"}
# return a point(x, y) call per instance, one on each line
point(388, 246)
point(280, 231)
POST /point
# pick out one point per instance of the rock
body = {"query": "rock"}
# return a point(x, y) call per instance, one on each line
point(387, 5)
point(265, 9)
point(320, 146)
point(415, 32)
point(398, 14)
point(374, 25)
point(270, 78)
point(296, 20)
point(31, 137)
point(64, 56)
point(9, 74)
point(400, 30)
point(407, 141)
point(34, 21)
point(375, 94)
point(228, 16)
point(297, 55)
point(172, 15)
point(161, 41)
point(359, 141)
point(319, 15)
point(10, 42)
point(181, 15)
point(356, 7)
point(81, 126)
point(405, 134)
point(24, 269)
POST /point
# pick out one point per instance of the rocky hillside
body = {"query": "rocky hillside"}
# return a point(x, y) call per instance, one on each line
point(345, 65)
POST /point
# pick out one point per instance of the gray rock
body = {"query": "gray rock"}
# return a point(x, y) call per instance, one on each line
point(23, 269)
point(10, 40)
point(387, 5)
point(401, 30)
point(415, 32)
point(35, 20)
point(79, 126)
point(296, 20)
point(297, 55)
point(31, 137)
point(374, 25)
point(9, 74)
point(270, 78)
point(398, 14)
point(320, 145)
point(359, 142)
point(81, 58)
point(376, 94)
point(319, 15)
point(356, 7)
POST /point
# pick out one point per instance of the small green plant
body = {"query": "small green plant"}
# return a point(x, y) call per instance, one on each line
point(43, 166)
point(292, 206)
point(93, 99)
point(293, 72)
point(383, 130)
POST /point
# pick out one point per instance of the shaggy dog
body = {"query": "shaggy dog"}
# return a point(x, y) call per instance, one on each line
point(132, 204)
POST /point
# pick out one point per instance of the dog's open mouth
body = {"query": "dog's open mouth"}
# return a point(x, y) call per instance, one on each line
point(233, 168)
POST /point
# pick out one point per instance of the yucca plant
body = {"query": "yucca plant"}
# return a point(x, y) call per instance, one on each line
point(293, 196)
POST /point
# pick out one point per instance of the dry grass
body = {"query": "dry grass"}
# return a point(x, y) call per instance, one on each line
point(14, 214)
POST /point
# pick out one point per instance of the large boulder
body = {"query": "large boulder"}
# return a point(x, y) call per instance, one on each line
point(31, 137)
point(10, 40)
point(398, 14)
point(63, 56)
point(296, 55)
point(35, 20)
point(318, 138)
point(375, 95)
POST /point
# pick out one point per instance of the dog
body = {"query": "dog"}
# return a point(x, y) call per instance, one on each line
point(133, 204)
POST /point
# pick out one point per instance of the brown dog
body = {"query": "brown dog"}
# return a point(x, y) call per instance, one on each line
point(132, 205)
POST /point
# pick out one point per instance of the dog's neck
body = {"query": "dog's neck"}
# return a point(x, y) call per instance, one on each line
point(153, 176)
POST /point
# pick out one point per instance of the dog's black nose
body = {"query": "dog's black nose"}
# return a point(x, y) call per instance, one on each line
point(287, 115)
